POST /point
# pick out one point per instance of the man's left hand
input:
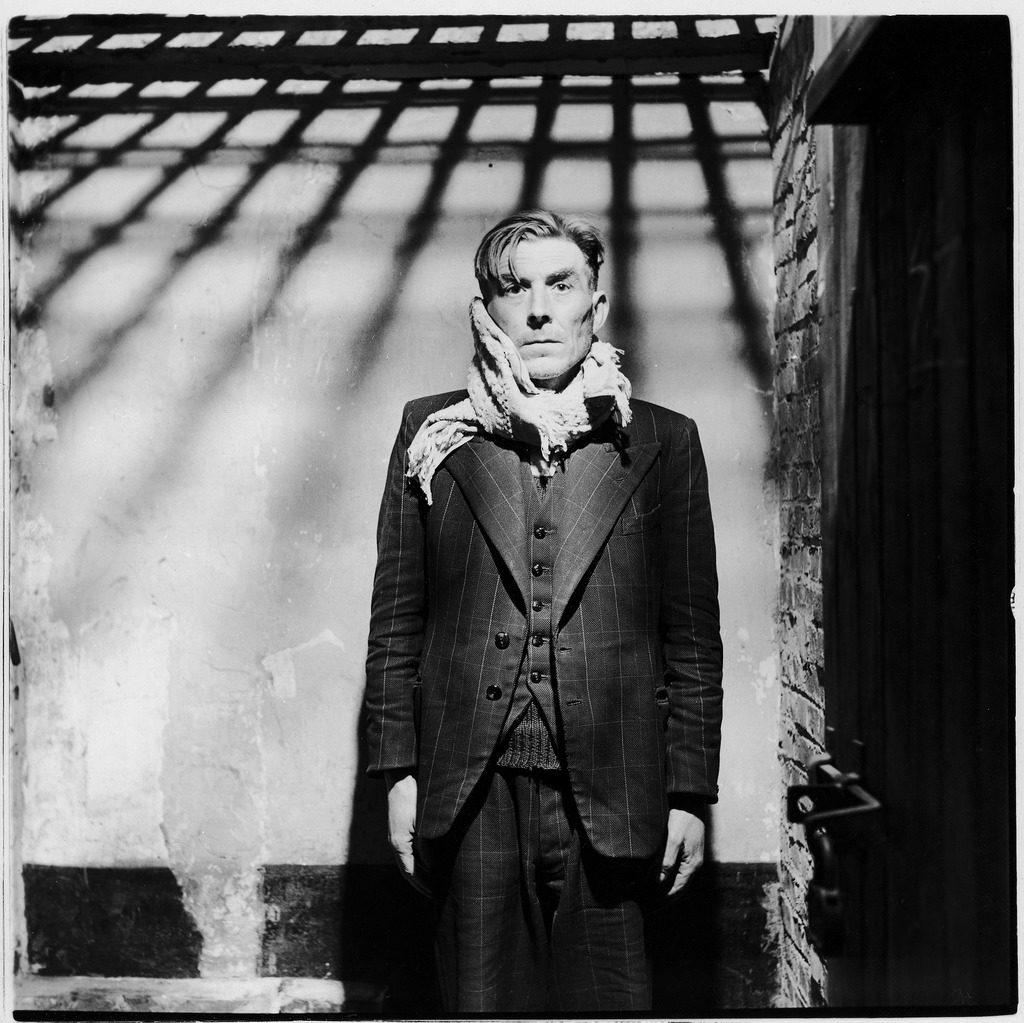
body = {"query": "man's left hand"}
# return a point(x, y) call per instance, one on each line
point(684, 849)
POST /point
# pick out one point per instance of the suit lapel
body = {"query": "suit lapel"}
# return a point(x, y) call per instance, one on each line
point(487, 473)
point(599, 482)
point(598, 485)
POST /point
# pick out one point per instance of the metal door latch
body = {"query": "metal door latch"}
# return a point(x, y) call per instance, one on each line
point(839, 801)
point(833, 796)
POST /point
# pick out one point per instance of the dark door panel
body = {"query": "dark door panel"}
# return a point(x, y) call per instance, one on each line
point(918, 540)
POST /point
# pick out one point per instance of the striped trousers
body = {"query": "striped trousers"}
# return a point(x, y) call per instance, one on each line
point(529, 918)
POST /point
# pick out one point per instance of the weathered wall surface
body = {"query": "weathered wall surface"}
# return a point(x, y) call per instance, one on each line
point(796, 467)
point(218, 316)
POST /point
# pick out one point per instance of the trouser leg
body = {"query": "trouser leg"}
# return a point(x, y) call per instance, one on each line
point(491, 946)
point(530, 918)
point(598, 960)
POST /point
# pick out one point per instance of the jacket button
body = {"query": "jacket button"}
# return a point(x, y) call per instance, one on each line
point(538, 605)
point(535, 677)
point(537, 639)
point(493, 693)
point(540, 532)
point(538, 568)
point(501, 640)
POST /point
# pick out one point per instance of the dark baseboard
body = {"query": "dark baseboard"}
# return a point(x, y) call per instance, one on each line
point(108, 922)
point(354, 921)
point(712, 950)
point(361, 923)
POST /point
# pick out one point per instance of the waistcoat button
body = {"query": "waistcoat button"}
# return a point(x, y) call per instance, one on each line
point(535, 677)
point(493, 693)
point(537, 639)
point(538, 605)
point(540, 532)
point(501, 640)
point(538, 568)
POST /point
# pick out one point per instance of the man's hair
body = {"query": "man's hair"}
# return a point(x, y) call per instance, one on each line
point(494, 254)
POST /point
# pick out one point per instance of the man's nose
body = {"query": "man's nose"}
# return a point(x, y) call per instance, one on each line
point(537, 312)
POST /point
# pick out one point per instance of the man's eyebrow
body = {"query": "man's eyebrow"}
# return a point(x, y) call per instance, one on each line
point(565, 273)
point(561, 275)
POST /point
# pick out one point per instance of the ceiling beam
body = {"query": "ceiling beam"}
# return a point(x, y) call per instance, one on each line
point(689, 54)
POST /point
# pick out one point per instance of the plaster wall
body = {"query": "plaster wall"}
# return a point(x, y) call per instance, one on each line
point(213, 340)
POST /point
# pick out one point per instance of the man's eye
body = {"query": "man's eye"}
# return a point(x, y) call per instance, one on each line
point(511, 289)
point(563, 286)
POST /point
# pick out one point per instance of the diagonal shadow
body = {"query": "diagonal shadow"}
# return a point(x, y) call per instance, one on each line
point(27, 315)
point(23, 108)
point(419, 229)
point(747, 308)
point(106, 235)
point(363, 156)
point(109, 233)
point(207, 235)
point(109, 155)
point(189, 412)
point(27, 157)
point(418, 233)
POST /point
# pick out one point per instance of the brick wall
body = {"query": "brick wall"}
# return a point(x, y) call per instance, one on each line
point(796, 467)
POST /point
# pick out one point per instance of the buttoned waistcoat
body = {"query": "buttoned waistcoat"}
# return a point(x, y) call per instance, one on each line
point(633, 624)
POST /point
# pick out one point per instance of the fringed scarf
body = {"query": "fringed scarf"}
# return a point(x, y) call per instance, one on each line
point(504, 402)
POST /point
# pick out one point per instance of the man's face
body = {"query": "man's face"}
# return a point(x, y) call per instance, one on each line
point(547, 308)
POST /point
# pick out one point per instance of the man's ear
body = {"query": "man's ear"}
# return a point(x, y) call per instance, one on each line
point(599, 305)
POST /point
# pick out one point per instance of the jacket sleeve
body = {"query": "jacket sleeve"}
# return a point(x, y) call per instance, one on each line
point(397, 616)
point(690, 623)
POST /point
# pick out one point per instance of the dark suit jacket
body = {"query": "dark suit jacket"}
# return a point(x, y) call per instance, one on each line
point(638, 657)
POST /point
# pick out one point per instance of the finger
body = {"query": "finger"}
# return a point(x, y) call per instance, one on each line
point(687, 868)
point(405, 858)
point(683, 875)
point(407, 868)
point(406, 863)
point(404, 855)
point(669, 860)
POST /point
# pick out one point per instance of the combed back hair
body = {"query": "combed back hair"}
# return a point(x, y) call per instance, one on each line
point(493, 256)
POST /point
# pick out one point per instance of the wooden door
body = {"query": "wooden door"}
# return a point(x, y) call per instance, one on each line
point(918, 534)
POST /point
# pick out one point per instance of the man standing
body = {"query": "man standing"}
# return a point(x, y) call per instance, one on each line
point(544, 671)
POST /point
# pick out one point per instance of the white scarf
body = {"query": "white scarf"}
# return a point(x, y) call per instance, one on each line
point(505, 402)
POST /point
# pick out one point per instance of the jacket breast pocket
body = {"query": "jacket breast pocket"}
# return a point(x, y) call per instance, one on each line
point(632, 523)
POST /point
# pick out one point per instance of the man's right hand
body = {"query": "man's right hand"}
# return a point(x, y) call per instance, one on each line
point(402, 820)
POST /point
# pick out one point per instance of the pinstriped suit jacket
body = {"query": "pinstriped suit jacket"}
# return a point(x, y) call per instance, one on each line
point(637, 651)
